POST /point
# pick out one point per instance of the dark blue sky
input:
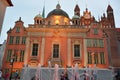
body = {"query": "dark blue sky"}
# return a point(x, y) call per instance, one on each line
point(28, 9)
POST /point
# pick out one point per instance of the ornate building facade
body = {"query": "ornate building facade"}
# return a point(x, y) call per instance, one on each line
point(57, 39)
point(3, 5)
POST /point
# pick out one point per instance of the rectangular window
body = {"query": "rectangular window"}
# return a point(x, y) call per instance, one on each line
point(96, 58)
point(56, 51)
point(22, 55)
point(17, 29)
point(11, 39)
point(17, 39)
point(89, 58)
point(89, 42)
point(23, 40)
point(101, 43)
point(76, 50)
point(35, 50)
point(102, 58)
point(95, 31)
point(9, 55)
point(94, 42)
point(15, 55)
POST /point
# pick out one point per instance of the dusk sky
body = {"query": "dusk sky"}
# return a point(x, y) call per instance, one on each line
point(28, 9)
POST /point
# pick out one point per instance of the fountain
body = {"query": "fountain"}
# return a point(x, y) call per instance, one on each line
point(38, 74)
point(25, 73)
point(55, 75)
point(49, 69)
point(74, 73)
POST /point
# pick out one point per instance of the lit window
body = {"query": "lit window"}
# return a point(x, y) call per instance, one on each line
point(35, 50)
point(76, 50)
point(56, 51)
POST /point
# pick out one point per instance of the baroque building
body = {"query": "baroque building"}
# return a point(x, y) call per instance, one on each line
point(3, 5)
point(57, 39)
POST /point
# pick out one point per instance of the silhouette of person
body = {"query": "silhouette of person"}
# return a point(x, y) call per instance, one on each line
point(62, 76)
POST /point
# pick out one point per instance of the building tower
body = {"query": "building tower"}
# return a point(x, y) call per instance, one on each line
point(77, 10)
point(76, 17)
point(110, 16)
point(38, 19)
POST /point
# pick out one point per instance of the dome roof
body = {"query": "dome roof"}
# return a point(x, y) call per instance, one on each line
point(38, 16)
point(75, 17)
point(58, 11)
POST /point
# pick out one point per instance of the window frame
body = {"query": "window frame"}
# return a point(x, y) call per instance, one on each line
point(57, 50)
point(76, 55)
point(35, 47)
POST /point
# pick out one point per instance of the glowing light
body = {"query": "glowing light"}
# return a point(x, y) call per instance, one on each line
point(57, 22)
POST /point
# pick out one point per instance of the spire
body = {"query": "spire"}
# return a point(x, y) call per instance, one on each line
point(20, 19)
point(109, 8)
point(43, 13)
point(58, 6)
point(77, 10)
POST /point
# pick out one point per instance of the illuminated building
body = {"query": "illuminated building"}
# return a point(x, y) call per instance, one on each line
point(64, 41)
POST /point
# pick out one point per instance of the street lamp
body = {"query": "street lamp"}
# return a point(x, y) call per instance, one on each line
point(11, 63)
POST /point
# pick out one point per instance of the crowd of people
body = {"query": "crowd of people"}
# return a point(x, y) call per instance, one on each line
point(7, 75)
point(64, 75)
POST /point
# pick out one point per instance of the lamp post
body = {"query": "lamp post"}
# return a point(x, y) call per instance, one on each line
point(11, 63)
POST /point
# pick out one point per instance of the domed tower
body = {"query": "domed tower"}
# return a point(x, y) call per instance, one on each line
point(57, 17)
point(38, 19)
point(75, 20)
point(110, 16)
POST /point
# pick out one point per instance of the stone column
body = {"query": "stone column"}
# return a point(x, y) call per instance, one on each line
point(42, 51)
point(27, 51)
point(69, 52)
point(85, 52)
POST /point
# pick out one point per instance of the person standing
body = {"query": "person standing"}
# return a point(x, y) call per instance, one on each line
point(7, 76)
point(16, 75)
point(62, 76)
